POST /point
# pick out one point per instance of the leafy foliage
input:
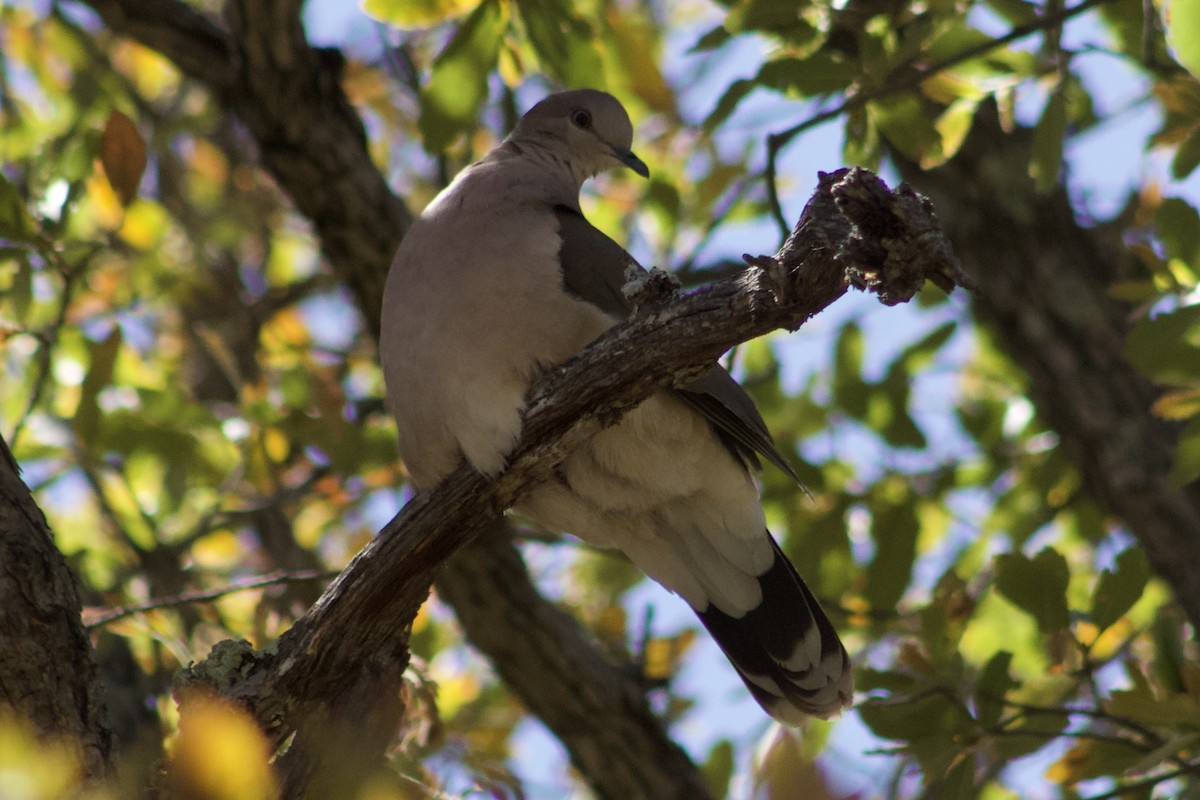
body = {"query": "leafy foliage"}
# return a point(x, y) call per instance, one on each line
point(195, 400)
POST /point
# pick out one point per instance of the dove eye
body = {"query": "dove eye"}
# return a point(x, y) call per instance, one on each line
point(582, 118)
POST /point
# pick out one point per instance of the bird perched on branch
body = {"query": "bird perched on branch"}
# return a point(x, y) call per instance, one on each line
point(501, 278)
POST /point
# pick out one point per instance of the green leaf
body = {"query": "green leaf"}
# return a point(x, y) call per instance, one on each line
point(1186, 466)
point(564, 43)
point(1178, 225)
point(894, 530)
point(457, 89)
point(15, 222)
point(820, 73)
point(1017, 12)
point(993, 686)
point(909, 720)
point(1187, 157)
point(1142, 705)
point(1046, 159)
point(99, 375)
point(728, 102)
point(1183, 32)
point(849, 391)
point(1093, 758)
point(416, 13)
point(718, 768)
point(1037, 586)
point(1165, 347)
point(1118, 589)
point(18, 288)
point(902, 120)
point(953, 125)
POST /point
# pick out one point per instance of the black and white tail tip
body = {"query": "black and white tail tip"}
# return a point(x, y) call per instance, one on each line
point(786, 650)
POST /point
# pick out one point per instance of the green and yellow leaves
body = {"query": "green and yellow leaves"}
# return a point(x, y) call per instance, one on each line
point(1183, 32)
point(458, 83)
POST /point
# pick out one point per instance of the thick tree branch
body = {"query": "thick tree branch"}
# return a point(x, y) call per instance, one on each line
point(47, 673)
point(853, 233)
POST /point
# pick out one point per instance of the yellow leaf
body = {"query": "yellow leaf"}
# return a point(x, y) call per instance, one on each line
point(123, 155)
point(33, 769)
point(455, 691)
point(105, 204)
point(218, 549)
point(220, 754)
point(416, 13)
point(661, 657)
point(276, 443)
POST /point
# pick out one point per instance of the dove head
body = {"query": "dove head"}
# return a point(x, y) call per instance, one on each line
point(586, 128)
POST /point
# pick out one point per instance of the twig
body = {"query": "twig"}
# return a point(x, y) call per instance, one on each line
point(96, 618)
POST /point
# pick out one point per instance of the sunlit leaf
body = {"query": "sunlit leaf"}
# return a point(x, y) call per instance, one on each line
point(904, 123)
point(563, 41)
point(1143, 706)
point(1178, 225)
point(220, 754)
point(416, 13)
point(1183, 32)
point(1186, 466)
point(457, 88)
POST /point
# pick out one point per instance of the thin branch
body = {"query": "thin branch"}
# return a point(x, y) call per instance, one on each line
point(1138, 786)
point(97, 618)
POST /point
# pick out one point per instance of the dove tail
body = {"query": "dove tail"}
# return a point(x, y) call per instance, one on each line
point(786, 650)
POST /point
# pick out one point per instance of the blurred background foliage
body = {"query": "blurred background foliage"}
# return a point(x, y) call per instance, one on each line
point(194, 399)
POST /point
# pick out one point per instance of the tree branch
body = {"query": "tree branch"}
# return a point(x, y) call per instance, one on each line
point(854, 232)
point(47, 672)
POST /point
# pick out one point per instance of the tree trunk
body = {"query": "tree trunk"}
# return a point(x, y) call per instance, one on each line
point(47, 673)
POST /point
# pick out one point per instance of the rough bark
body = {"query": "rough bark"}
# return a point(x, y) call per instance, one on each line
point(853, 233)
point(47, 673)
point(1043, 283)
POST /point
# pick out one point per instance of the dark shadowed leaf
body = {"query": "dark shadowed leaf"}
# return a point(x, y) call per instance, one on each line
point(123, 154)
point(1046, 159)
point(994, 684)
point(15, 222)
point(1036, 585)
point(1119, 588)
point(895, 532)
